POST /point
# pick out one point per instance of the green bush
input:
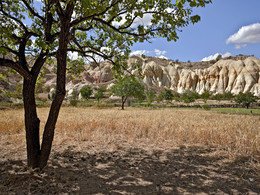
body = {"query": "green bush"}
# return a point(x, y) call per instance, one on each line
point(100, 93)
point(86, 92)
point(160, 97)
point(206, 107)
point(73, 102)
point(188, 96)
point(168, 94)
point(150, 95)
point(74, 98)
point(205, 96)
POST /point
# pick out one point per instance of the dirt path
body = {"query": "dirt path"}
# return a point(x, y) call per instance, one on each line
point(184, 170)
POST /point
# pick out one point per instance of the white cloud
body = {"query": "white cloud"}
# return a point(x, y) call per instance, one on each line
point(160, 52)
point(139, 52)
point(73, 55)
point(146, 20)
point(239, 46)
point(213, 57)
point(246, 34)
point(163, 57)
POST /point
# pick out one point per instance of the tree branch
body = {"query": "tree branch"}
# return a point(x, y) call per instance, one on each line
point(33, 12)
point(15, 66)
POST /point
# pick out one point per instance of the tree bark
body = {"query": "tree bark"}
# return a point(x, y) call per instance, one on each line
point(61, 56)
point(124, 98)
point(32, 124)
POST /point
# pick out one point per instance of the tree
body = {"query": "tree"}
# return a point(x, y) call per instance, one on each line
point(205, 96)
point(50, 29)
point(128, 87)
point(150, 95)
point(86, 92)
point(245, 99)
point(168, 95)
point(160, 97)
point(219, 57)
point(189, 96)
point(74, 98)
point(100, 93)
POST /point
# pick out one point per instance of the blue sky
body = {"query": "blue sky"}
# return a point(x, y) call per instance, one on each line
point(213, 34)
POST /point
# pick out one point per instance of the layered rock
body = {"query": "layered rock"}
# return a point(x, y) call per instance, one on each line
point(226, 75)
point(233, 74)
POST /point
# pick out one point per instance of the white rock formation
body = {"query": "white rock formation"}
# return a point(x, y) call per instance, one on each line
point(234, 74)
point(227, 75)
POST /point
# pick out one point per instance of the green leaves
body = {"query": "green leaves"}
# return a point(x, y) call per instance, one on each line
point(128, 87)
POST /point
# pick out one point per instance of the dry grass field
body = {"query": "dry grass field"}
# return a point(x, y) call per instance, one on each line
point(221, 152)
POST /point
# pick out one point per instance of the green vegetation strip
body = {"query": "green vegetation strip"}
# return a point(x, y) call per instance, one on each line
point(253, 111)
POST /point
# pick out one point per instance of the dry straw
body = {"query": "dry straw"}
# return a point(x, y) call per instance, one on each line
point(236, 135)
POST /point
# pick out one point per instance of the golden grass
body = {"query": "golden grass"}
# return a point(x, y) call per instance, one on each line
point(237, 135)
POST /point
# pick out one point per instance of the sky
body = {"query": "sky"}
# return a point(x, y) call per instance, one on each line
point(227, 27)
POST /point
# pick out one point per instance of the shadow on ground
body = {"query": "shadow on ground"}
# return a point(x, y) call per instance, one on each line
point(182, 171)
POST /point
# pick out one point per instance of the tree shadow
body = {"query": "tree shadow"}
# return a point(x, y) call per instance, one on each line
point(181, 171)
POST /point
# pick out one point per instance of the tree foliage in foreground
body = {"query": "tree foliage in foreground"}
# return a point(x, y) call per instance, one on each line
point(51, 29)
point(128, 87)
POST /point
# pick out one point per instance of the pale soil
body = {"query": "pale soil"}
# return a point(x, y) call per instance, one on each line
point(112, 163)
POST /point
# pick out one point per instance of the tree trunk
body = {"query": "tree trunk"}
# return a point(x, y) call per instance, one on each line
point(124, 98)
point(32, 124)
point(61, 56)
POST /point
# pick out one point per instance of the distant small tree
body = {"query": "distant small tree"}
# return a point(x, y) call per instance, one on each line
point(245, 99)
point(74, 98)
point(219, 57)
point(188, 96)
point(86, 92)
point(218, 97)
point(128, 87)
point(100, 93)
point(168, 95)
point(176, 97)
point(228, 96)
point(160, 97)
point(205, 96)
point(150, 95)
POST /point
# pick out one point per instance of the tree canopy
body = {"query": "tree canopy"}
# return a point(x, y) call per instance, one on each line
point(34, 32)
point(128, 87)
point(245, 98)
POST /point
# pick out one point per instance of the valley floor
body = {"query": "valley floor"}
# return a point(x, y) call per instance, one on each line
point(136, 151)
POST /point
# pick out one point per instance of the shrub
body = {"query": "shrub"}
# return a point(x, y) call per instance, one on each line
point(228, 96)
point(168, 94)
point(150, 95)
point(160, 97)
point(188, 96)
point(73, 102)
point(219, 57)
point(74, 98)
point(218, 97)
point(205, 95)
point(86, 92)
point(100, 93)
point(206, 107)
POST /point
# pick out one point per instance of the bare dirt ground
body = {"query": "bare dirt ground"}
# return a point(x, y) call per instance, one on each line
point(101, 165)
point(183, 170)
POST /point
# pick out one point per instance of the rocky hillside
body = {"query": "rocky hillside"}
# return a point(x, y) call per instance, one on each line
point(232, 74)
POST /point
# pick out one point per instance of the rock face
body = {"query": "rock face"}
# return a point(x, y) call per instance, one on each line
point(226, 75)
point(233, 74)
